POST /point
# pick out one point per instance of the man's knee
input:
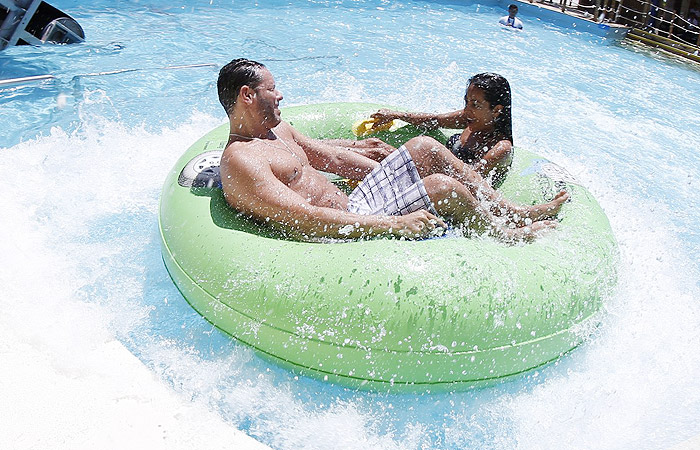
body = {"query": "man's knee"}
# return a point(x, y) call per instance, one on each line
point(442, 186)
point(449, 196)
point(422, 143)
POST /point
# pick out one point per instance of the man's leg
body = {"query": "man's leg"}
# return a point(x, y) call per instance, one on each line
point(431, 157)
point(452, 199)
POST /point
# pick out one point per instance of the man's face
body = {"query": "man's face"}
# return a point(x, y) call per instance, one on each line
point(512, 12)
point(268, 99)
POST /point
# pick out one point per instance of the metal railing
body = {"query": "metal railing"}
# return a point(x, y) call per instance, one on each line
point(648, 16)
point(660, 21)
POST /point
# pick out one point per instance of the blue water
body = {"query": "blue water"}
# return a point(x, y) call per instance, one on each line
point(83, 157)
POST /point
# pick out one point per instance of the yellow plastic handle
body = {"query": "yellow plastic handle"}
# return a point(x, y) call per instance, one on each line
point(366, 127)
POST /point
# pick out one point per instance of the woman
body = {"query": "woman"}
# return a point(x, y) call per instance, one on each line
point(486, 143)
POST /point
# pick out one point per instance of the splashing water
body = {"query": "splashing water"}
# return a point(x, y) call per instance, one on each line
point(84, 156)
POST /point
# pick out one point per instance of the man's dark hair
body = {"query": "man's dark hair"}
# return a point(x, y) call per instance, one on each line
point(234, 75)
point(512, 6)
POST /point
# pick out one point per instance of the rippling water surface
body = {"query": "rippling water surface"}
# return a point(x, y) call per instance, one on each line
point(83, 157)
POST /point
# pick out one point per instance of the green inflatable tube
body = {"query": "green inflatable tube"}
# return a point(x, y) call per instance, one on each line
point(389, 314)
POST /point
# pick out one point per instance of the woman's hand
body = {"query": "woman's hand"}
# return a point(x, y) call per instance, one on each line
point(384, 116)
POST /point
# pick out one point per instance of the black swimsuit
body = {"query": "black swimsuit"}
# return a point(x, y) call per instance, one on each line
point(465, 154)
point(471, 157)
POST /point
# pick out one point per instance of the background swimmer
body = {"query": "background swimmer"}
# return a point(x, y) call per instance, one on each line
point(510, 20)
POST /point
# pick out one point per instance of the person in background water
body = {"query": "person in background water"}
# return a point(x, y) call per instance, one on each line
point(486, 142)
point(510, 20)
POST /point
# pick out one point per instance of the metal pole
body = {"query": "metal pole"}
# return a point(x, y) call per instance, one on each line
point(645, 13)
point(23, 23)
point(618, 11)
point(11, 81)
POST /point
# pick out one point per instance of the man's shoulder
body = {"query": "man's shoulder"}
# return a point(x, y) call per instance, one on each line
point(236, 146)
point(242, 153)
point(284, 128)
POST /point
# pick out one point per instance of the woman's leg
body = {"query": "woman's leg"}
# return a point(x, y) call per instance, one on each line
point(431, 157)
point(452, 199)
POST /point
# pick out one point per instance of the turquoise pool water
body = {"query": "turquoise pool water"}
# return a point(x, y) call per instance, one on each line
point(84, 155)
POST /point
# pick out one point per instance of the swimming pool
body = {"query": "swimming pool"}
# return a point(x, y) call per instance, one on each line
point(84, 156)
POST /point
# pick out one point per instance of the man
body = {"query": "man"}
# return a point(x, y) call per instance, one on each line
point(510, 20)
point(270, 171)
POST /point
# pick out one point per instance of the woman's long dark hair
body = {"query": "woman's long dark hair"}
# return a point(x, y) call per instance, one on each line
point(497, 92)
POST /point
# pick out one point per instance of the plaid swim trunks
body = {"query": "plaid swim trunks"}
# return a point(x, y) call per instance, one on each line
point(393, 188)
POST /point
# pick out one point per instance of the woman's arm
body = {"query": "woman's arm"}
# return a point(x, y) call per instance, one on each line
point(427, 121)
point(496, 160)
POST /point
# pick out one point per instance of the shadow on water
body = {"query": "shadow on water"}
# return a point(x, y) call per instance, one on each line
point(22, 61)
point(267, 52)
point(31, 109)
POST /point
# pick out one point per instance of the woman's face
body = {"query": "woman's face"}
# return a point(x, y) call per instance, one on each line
point(480, 114)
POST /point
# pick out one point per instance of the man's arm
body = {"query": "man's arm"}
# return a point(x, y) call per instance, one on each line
point(372, 148)
point(251, 187)
point(333, 158)
point(427, 121)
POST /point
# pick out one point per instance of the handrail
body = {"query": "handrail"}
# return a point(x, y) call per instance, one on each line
point(24, 80)
point(665, 16)
point(36, 78)
point(655, 19)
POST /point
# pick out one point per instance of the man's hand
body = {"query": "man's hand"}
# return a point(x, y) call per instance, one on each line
point(418, 224)
point(373, 148)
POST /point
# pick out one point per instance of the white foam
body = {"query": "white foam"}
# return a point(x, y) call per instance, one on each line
point(76, 283)
point(640, 373)
point(65, 380)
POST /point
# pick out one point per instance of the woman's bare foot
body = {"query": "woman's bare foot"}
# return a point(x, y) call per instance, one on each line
point(528, 233)
point(542, 211)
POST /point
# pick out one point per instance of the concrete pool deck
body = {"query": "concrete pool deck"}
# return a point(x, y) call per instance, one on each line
point(110, 400)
